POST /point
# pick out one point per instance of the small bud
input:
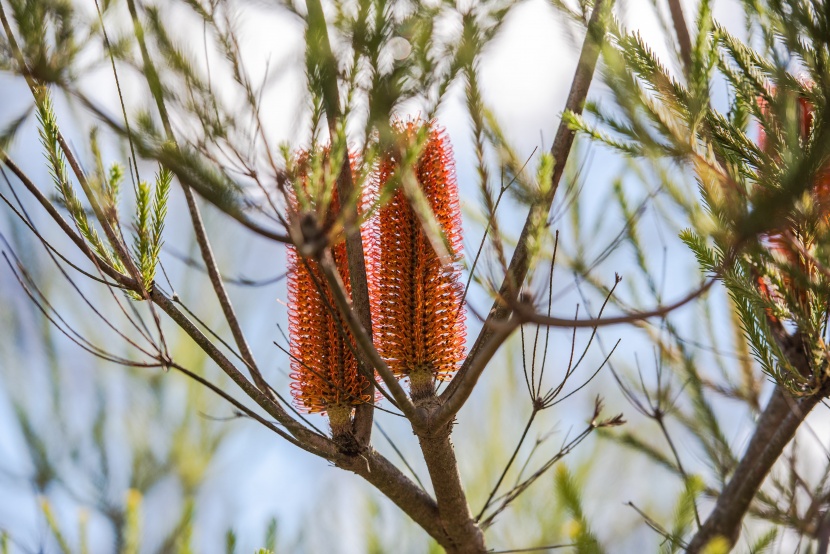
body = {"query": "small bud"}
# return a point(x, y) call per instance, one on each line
point(400, 48)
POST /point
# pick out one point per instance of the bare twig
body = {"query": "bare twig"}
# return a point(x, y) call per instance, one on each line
point(659, 311)
point(506, 499)
point(656, 527)
point(534, 549)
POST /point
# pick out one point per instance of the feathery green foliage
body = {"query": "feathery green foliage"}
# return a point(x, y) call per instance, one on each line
point(151, 210)
point(57, 164)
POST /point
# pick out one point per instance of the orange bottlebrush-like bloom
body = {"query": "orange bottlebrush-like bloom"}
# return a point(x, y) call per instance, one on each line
point(324, 370)
point(417, 315)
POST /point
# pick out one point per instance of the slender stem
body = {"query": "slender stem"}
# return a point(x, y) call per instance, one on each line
point(68, 230)
point(458, 391)
point(219, 288)
point(311, 441)
point(682, 31)
point(631, 317)
point(196, 217)
point(662, 423)
point(509, 464)
point(773, 431)
point(247, 412)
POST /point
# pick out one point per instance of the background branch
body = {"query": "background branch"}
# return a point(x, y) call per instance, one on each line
point(773, 431)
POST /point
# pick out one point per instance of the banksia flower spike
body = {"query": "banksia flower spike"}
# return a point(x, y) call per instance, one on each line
point(324, 370)
point(417, 315)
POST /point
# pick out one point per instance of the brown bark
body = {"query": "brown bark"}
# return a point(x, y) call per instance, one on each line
point(773, 431)
point(464, 536)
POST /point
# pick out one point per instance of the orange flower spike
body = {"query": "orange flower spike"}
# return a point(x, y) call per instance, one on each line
point(324, 371)
point(417, 314)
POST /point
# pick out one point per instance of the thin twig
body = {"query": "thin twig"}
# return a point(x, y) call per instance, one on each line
point(533, 549)
point(660, 311)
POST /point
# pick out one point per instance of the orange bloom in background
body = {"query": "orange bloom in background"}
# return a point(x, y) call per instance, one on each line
point(776, 241)
point(324, 370)
point(417, 315)
point(805, 116)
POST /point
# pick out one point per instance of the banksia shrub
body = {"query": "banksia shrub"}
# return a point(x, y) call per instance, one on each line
point(324, 370)
point(417, 315)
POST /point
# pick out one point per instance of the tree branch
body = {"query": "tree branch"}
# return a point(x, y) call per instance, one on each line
point(527, 315)
point(456, 519)
point(773, 431)
point(311, 442)
point(68, 230)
